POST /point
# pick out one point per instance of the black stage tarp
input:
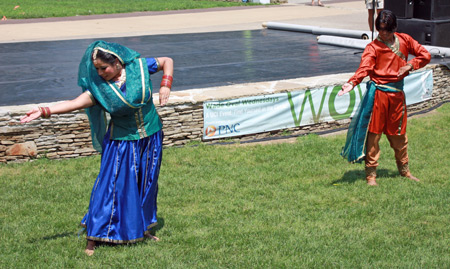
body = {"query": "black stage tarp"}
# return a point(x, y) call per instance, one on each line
point(46, 71)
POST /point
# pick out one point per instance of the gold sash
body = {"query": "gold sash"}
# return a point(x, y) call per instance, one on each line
point(395, 47)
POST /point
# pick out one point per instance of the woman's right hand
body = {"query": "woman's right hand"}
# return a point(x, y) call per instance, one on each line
point(84, 100)
point(345, 89)
point(31, 115)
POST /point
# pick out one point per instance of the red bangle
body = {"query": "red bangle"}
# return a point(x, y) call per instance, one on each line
point(169, 77)
point(166, 83)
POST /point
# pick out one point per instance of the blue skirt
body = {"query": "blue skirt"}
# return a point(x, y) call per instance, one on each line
point(122, 207)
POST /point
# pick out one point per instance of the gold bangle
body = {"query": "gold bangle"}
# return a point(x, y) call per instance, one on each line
point(412, 67)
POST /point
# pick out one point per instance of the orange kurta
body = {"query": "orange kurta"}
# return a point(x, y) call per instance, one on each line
point(382, 63)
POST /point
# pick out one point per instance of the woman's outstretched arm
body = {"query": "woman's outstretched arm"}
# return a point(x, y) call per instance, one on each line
point(84, 100)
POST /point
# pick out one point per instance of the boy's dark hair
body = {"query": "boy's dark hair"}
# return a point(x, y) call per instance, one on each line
point(387, 17)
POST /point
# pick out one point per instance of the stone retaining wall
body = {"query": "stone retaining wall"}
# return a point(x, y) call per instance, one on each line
point(68, 135)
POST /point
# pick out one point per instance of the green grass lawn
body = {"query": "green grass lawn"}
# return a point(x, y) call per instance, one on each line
point(64, 8)
point(260, 206)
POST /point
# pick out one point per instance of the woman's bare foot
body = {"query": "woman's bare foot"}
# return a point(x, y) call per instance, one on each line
point(152, 237)
point(90, 248)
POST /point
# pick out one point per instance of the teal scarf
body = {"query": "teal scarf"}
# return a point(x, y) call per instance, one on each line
point(355, 145)
point(109, 97)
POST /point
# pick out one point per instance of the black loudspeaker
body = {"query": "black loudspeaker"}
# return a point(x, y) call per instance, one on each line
point(401, 8)
point(431, 9)
point(426, 32)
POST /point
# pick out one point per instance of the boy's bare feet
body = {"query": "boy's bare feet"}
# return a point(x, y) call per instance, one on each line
point(410, 176)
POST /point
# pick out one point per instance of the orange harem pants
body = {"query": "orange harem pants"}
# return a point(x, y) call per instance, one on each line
point(388, 117)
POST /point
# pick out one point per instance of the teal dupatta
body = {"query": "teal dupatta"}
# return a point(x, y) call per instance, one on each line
point(109, 97)
point(355, 145)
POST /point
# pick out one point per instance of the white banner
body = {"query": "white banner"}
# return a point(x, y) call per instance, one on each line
point(258, 114)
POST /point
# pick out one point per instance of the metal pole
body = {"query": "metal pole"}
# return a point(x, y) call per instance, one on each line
point(373, 18)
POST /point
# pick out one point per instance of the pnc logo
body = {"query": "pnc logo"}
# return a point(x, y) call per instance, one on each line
point(210, 130)
point(222, 129)
point(229, 129)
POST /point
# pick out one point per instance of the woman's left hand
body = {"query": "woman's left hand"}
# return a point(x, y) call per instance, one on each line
point(164, 93)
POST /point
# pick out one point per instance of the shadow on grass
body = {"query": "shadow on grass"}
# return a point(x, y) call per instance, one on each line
point(159, 226)
point(51, 237)
point(352, 176)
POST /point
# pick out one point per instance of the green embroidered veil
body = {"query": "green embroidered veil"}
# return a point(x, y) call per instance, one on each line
point(110, 99)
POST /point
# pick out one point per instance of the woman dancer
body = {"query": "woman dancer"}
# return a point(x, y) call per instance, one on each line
point(116, 81)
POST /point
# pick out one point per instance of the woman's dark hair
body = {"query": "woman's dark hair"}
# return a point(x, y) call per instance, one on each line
point(387, 17)
point(104, 56)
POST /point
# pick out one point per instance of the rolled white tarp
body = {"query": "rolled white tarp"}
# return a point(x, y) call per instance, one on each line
point(289, 27)
point(361, 44)
point(317, 30)
point(343, 32)
point(342, 41)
